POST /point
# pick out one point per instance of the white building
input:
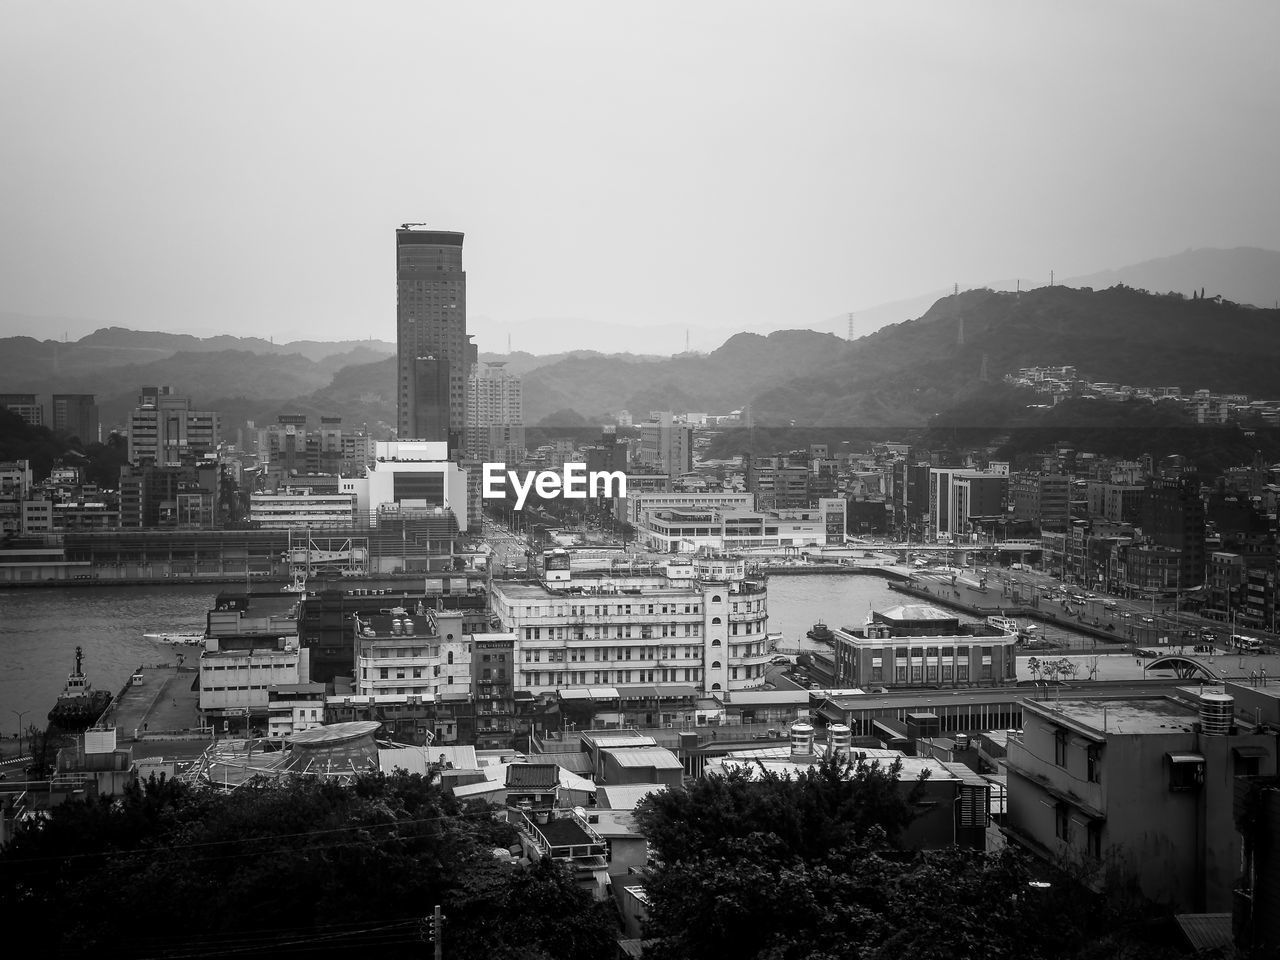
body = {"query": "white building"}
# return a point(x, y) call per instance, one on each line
point(640, 503)
point(410, 475)
point(301, 508)
point(405, 657)
point(243, 658)
point(688, 531)
point(702, 624)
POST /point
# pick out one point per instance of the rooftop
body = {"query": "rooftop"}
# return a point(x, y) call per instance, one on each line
point(659, 758)
point(1149, 715)
point(915, 612)
point(625, 796)
point(538, 776)
point(565, 832)
point(605, 739)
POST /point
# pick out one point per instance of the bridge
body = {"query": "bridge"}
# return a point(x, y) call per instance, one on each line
point(1001, 546)
point(1183, 667)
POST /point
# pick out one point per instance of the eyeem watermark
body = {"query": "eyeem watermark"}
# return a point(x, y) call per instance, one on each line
point(574, 482)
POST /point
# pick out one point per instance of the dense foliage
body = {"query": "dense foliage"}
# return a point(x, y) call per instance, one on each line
point(775, 868)
point(299, 867)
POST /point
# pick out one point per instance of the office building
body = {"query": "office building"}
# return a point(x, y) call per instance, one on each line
point(1043, 499)
point(918, 645)
point(25, 405)
point(961, 501)
point(684, 627)
point(76, 415)
point(432, 350)
point(495, 415)
point(666, 445)
point(1173, 516)
point(164, 429)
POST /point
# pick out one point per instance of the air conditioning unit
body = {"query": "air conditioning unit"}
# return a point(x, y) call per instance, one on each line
point(668, 725)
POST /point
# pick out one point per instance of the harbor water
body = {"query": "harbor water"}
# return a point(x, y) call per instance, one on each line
point(40, 629)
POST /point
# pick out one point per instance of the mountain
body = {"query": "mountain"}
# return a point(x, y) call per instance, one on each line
point(1247, 275)
point(905, 374)
point(543, 335)
point(724, 379)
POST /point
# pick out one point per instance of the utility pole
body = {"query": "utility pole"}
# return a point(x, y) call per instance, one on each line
point(435, 932)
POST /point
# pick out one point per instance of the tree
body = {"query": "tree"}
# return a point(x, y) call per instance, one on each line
point(166, 867)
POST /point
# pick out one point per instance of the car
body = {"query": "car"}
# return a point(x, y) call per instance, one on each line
point(1126, 615)
point(1148, 619)
point(1110, 605)
point(780, 659)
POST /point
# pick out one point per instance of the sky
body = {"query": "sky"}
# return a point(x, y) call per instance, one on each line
point(240, 167)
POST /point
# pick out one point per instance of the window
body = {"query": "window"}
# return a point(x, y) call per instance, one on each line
point(1094, 839)
point(1060, 748)
point(1186, 772)
point(1062, 822)
point(1093, 763)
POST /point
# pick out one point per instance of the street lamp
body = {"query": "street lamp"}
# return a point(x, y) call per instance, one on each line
point(20, 714)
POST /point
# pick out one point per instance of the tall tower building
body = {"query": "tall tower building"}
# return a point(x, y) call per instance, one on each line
point(76, 414)
point(432, 349)
point(495, 415)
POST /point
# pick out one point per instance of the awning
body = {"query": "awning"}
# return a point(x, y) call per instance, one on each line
point(1250, 751)
point(574, 693)
point(603, 693)
point(638, 692)
point(674, 691)
point(1186, 758)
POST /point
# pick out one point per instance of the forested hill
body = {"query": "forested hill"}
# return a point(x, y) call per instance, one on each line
point(725, 379)
point(904, 374)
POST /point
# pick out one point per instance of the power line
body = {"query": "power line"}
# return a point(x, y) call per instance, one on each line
point(258, 838)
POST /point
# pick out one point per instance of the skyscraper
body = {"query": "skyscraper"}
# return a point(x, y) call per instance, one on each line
point(433, 353)
point(495, 415)
point(76, 414)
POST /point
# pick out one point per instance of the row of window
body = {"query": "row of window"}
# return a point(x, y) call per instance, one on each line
point(600, 654)
point(609, 610)
point(533, 679)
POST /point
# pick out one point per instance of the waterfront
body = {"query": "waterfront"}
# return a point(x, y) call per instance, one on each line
point(40, 629)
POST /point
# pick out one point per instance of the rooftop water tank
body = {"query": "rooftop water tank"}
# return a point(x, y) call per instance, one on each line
point(1216, 711)
point(962, 741)
point(395, 627)
point(801, 740)
point(839, 737)
point(408, 627)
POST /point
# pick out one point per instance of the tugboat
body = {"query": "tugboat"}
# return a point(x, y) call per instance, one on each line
point(821, 633)
point(78, 706)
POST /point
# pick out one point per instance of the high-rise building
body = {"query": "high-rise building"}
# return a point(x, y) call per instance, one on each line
point(25, 405)
point(495, 415)
point(164, 429)
point(667, 444)
point(433, 353)
point(1173, 517)
point(76, 414)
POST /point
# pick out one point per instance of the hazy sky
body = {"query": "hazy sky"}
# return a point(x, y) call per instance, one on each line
point(241, 167)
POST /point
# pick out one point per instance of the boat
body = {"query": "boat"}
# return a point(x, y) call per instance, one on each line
point(79, 705)
point(175, 639)
point(820, 632)
point(1004, 624)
